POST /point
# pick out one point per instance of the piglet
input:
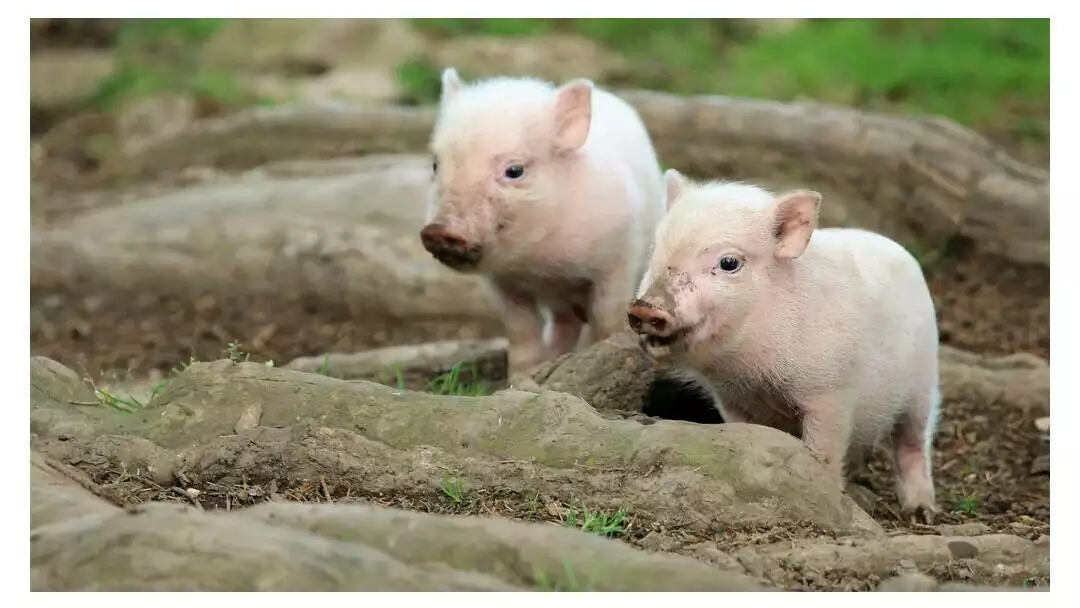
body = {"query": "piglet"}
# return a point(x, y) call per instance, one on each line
point(828, 334)
point(550, 193)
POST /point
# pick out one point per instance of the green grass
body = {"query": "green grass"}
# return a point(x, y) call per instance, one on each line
point(162, 56)
point(129, 403)
point(454, 489)
point(399, 376)
point(970, 70)
point(597, 522)
point(569, 580)
point(992, 75)
point(969, 505)
point(123, 403)
point(452, 383)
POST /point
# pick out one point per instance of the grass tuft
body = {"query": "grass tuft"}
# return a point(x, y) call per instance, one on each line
point(452, 383)
point(597, 522)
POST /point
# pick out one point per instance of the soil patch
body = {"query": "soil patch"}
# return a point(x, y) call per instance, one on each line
point(139, 334)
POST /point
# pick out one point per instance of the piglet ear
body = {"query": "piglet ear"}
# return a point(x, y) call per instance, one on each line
point(451, 85)
point(674, 183)
point(573, 113)
point(796, 218)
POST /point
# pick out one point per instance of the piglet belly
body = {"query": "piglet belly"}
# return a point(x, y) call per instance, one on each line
point(764, 407)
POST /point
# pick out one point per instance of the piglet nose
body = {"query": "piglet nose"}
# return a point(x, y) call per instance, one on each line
point(437, 237)
point(647, 319)
point(449, 247)
point(441, 237)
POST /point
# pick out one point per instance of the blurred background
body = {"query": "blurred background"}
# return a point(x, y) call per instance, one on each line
point(987, 74)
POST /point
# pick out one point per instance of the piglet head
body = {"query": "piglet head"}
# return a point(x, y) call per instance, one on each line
point(720, 255)
point(502, 155)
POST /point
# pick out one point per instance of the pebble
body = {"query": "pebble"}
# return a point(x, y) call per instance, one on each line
point(962, 549)
point(1043, 424)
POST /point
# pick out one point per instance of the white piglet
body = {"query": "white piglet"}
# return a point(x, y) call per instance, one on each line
point(551, 193)
point(829, 334)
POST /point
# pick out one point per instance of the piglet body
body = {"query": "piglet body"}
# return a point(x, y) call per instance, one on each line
point(829, 334)
point(551, 193)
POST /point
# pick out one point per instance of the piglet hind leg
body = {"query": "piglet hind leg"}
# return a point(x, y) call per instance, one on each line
point(524, 331)
point(912, 438)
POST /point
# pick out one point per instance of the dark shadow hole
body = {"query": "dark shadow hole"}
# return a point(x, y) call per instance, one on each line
point(677, 400)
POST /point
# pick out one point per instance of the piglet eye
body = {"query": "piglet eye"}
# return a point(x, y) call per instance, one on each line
point(514, 171)
point(434, 166)
point(729, 263)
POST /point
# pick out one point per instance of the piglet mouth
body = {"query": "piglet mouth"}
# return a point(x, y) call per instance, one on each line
point(459, 260)
point(451, 248)
point(668, 340)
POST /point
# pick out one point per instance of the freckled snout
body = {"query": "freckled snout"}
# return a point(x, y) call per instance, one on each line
point(648, 320)
point(449, 247)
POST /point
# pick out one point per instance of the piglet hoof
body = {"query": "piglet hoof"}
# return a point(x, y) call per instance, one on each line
point(523, 382)
point(922, 515)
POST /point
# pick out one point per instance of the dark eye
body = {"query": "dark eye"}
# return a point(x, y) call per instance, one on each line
point(514, 171)
point(434, 166)
point(729, 263)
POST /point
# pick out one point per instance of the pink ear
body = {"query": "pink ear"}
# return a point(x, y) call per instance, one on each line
point(573, 113)
point(796, 218)
point(451, 84)
point(674, 182)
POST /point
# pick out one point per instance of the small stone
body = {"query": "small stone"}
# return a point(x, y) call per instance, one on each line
point(962, 549)
point(1043, 424)
point(249, 418)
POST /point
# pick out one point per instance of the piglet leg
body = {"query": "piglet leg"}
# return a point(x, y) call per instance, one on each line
point(524, 331)
point(607, 304)
point(566, 326)
point(911, 438)
point(826, 428)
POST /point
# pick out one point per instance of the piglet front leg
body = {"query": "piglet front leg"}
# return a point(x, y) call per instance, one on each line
point(524, 331)
point(826, 429)
point(565, 330)
point(607, 304)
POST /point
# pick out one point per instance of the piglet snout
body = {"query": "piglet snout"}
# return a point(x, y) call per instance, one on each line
point(649, 320)
point(449, 247)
